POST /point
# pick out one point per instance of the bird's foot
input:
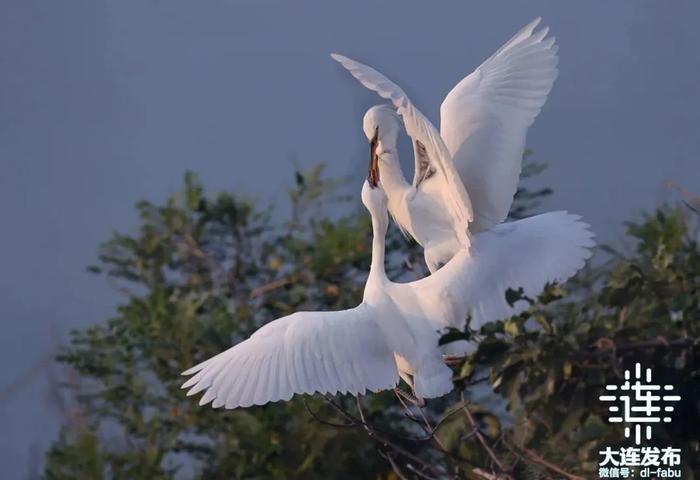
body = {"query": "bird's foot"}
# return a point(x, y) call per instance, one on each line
point(417, 401)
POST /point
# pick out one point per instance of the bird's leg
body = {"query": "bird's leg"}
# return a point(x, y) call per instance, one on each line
point(417, 401)
point(453, 360)
point(457, 351)
point(410, 397)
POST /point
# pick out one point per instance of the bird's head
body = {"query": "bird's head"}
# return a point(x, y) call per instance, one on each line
point(381, 127)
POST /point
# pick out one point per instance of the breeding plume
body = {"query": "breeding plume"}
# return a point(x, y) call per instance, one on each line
point(393, 333)
point(479, 148)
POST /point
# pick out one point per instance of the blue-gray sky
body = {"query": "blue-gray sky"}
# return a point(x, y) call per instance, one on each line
point(105, 103)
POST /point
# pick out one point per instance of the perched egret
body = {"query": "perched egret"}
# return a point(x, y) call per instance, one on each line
point(479, 148)
point(394, 332)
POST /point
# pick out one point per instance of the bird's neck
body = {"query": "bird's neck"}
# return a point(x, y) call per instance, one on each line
point(391, 176)
point(380, 222)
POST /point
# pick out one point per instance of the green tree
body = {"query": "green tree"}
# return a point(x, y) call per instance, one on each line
point(203, 272)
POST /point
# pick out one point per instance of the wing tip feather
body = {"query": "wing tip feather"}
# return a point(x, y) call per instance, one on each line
point(191, 371)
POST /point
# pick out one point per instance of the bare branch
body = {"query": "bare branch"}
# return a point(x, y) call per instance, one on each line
point(488, 476)
point(393, 464)
point(482, 440)
point(419, 473)
point(27, 376)
point(606, 346)
point(326, 422)
point(536, 458)
point(381, 436)
point(271, 286)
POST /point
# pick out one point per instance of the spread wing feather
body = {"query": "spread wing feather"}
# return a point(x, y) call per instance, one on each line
point(484, 120)
point(306, 352)
point(526, 254)
point(420, 129)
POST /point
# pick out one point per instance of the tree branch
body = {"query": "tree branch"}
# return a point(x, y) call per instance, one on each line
point(379, 435)
point(606, 346)
point(394, 467)
point(536, 458)
point(271, 286)
point(482, 440)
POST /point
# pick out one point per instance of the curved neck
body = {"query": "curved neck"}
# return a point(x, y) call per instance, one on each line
point(390, 173)
point(380, 221)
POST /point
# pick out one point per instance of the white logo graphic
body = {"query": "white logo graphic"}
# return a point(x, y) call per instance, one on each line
point(641, 408)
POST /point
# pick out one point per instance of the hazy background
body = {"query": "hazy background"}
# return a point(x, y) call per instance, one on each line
point(105, 103)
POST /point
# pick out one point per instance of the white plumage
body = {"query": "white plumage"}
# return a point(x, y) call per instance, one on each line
point(394, 332)
point(485, 117)
point(305, 352)
point(527, 254)
point(329, 352)
point(446, 182)
point(396, 328)
point(483, 123)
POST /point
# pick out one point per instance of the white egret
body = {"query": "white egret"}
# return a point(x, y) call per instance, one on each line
point(395, 329)
point(483, 122)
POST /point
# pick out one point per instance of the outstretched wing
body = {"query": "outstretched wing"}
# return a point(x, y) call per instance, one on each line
point(525, 254)
point(305, 352)
point(485, 117)
point(425, 138)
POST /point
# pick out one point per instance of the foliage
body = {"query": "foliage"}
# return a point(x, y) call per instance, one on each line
point(203, 272)
point(552, 362)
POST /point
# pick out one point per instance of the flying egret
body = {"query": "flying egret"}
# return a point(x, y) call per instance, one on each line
point(394, 331)
point(479, 148)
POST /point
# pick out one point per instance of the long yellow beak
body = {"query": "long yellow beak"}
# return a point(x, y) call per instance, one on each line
point(373, 173)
